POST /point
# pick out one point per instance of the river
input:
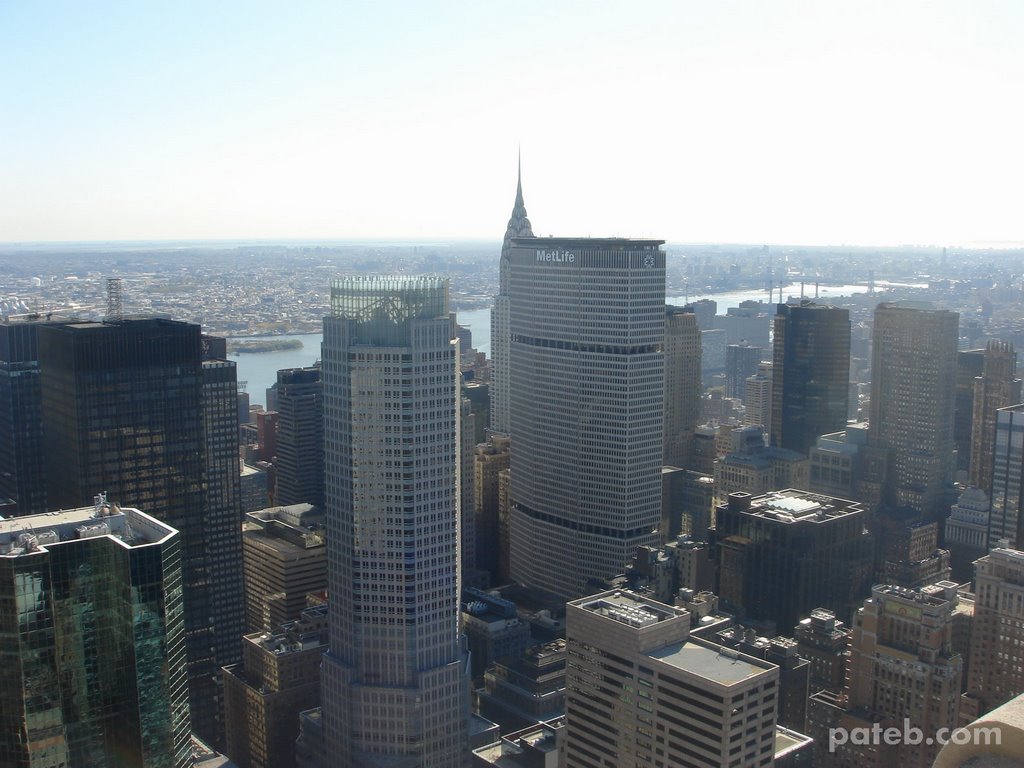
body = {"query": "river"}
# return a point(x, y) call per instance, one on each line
point(259, 370)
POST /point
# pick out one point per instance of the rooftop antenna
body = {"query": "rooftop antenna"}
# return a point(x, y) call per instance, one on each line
point(114, 309)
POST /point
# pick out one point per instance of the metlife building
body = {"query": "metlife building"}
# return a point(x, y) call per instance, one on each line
point(587, 322)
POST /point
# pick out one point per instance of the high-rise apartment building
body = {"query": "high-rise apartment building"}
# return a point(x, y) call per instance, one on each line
point(587, 390)
point(996, 673)
point(299, 466)
point(640, 691)
point(997, 387)
point(1005, 521)
point(395, 681)
point(131, 407)
point(785, 553)
point(810, 374)
point(518, 226)
point(92, 670)
point(682, 385)
point(913, 377)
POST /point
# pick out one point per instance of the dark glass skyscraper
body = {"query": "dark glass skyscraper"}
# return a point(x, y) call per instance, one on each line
point(300, 437)
point(92, 667)
point(810, 374)
point(22, 460)
point(131, 408)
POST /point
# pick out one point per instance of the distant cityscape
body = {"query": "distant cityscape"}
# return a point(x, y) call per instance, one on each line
point(690, 505)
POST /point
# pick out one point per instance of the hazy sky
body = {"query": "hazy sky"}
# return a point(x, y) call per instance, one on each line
point(711, 120)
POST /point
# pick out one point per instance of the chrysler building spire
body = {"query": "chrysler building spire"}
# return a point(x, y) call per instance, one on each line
point(518, 226)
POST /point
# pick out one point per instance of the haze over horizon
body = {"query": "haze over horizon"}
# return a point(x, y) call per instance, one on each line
point(869, 123)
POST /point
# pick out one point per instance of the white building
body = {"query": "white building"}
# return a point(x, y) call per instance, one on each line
point(587, 388)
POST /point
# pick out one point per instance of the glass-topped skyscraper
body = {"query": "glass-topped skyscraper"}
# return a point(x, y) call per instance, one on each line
point(587, 321)
point(92, 670)
point(395, 689)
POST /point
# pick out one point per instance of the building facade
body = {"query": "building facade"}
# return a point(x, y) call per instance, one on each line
point(395, 681)
point(810, 374)
point(1005, 522)
point(587, 365)
point(518, 226)
point(785, 553)
point(682, 385)
point(641, 692)
point(93, 671)
point(996, 674)
point(913, 383)
point(997, 387)
point(133, 408)
point(299, 466)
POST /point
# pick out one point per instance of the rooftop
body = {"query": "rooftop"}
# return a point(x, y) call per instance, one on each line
point(793, 506)
point(31, 534)
point(629, 608)
point(717, 664)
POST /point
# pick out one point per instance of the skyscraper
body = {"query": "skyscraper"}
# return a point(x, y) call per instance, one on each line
point(131, 407)
point(913, 378)
point(1005, 520)
point(996, 674)
point(997, 387)
point(299, 467)
point(518, 226)
point(640, 691)
point(92, 669)
point(395, 682)
point(810, 374)
point(22, 459)
point(741, 361)
point(682, 385)
point(587, 390)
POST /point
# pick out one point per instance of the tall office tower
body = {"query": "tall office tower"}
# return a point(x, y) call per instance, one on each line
point(741, 361)
point(395, 681)
point(1005, 521)
point(92, 670)
point(518, 226)
point(757, 398)
point(299, 467)
point(785, 553)
point(640, 691)
point(997, 387)
point(285, 560)
point(913, 377)
point(682, 385)
point(996, 674)
point(278, 677)
point(587, 390)
point(490, 458)
point(22, 459)
point(132, 408)
point(970, 364)
point(810, 374)
point(903, 666)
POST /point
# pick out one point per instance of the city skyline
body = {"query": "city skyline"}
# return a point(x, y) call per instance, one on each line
point(784, 123)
